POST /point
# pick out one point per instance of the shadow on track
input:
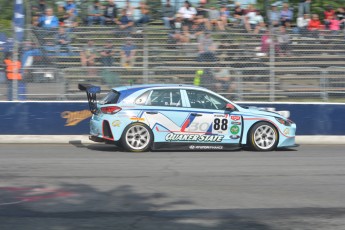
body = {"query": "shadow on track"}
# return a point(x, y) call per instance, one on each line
point(122, 208)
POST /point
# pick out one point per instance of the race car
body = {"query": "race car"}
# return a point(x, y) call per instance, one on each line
point(182, 117)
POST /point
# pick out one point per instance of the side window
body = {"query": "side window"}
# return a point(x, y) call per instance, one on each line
point(142, 99)
point(165, 97)
point(204, 100)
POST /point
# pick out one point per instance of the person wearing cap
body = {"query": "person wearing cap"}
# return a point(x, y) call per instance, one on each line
point(274, 16)
point(95, 14)
point(107, 54)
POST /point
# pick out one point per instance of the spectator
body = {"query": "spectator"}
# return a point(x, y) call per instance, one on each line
point(199, 26)
point(61, 14)
point(341, 15)
point(70, 20)
point(125, 22)
point(110, 12)
point(129, 10)
point(107, 54)
point(329, 14)
point(63, 41)
point(284, 41)
point(334, 25)
point(314, 26)
point(13, 69)
point(214, 17)
point(41, 8)
point(88, 54)
point(201, 10)
point(188, 13)
point(207, 48)
point(37, 11)
point(178, 37)
point(267, 41)
point(303, 7)
point(95, 14)
point(71, 6)
point(223, 81)
point(274, 16)
point(224, 15)
point(49, 21)
point(254, 21)
point(286, 15)
point(128, 52)
point(238, 14)
point(302, 24)
point(168, 12)
point(144, 17)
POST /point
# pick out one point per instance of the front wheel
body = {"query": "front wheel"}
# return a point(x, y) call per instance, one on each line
point(137, 137)
point(263, 136)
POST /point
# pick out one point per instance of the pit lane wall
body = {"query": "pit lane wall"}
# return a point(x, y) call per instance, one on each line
point(72, 118)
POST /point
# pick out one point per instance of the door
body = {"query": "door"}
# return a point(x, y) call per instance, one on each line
point(165, 112)
point(211, 120)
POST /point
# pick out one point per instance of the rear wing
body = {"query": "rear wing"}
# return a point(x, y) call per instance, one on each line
point(91, 93)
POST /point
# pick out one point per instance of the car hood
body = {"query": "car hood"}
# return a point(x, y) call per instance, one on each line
point(260, 111)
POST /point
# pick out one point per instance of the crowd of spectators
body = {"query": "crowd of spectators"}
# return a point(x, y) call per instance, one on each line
point(187, 23)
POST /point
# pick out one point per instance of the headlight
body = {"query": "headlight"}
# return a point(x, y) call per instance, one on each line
point(283, 122)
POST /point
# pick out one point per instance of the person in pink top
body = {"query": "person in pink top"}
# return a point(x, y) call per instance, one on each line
point(334, 25)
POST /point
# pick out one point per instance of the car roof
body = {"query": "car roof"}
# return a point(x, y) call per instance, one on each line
point(135, 88)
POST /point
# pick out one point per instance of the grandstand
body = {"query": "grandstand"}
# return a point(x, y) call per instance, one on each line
point(313, 70)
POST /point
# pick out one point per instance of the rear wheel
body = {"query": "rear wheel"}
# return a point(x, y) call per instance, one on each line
point(263, 136)
point(137, 137)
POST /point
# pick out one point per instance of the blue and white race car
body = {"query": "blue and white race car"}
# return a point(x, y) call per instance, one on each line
point(182, 117)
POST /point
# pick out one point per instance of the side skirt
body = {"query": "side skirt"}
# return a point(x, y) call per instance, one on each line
point(194, 146)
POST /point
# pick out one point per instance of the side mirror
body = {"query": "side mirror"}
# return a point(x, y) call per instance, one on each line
point(229, 106)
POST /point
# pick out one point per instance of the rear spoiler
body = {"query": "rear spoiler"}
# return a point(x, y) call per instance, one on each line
point(91, 91)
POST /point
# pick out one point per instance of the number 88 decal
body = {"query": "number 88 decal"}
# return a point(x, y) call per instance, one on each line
point(220, 124)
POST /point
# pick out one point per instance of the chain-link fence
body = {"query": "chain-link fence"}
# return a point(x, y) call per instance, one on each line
point(268, 66)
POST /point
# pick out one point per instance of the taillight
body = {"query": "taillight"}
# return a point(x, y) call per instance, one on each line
point(110, 109)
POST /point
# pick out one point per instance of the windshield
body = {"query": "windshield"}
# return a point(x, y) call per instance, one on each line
point(111, 98)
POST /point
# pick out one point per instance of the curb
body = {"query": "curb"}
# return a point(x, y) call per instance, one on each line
point(84, 139)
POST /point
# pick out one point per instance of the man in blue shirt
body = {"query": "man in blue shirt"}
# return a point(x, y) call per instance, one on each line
point(70, 5)
point(274, 16)
point(49, 21)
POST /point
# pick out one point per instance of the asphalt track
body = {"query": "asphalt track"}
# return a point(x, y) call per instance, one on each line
point(90, 186)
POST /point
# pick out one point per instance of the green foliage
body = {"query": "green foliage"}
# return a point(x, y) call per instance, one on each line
point(6, 8)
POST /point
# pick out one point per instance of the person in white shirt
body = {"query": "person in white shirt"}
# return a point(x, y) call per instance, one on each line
point(254, 21)
point(188, 13)
point(302, 24)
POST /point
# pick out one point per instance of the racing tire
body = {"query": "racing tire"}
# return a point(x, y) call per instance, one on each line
point(137, 137)
point(263, 136)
